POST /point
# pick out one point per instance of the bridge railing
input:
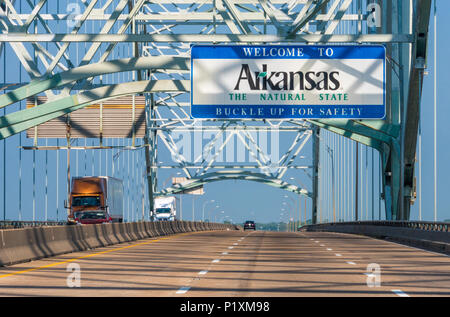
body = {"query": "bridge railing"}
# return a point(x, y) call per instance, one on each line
point(421, 225)
point(424, 234)
point(15, 224)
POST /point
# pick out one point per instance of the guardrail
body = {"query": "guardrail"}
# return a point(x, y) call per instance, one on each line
point(15, 224)
point(427, 235)
point(32, 243)
point(421, 225)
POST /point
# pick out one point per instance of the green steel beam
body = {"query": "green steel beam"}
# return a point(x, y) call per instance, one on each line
point(120, 65)
point(22, 120)
point(196, 182)
point(356, 127)
point(379, 127)
point(352, 135)
point(418, 65)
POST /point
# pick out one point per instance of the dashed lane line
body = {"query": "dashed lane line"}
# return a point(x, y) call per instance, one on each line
point(183, 290)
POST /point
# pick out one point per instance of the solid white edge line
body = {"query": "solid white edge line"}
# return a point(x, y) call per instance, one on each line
point(400, 293)
point(202, 272)
point(216, 261)
point(351, 263)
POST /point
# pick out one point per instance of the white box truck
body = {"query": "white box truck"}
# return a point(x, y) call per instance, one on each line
point(165, 209)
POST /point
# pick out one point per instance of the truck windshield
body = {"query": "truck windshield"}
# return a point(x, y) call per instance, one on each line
point(86, 201)
point(162, 210)
point(91, 215)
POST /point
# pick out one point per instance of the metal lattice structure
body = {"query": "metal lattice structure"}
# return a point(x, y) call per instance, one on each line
point(153, 39)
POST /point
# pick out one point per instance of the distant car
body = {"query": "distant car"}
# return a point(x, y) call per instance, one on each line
point(249, 225)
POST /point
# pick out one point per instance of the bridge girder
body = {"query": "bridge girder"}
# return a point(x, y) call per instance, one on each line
point(196, 182)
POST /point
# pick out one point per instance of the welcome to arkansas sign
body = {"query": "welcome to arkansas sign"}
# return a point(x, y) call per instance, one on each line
point(281, 81)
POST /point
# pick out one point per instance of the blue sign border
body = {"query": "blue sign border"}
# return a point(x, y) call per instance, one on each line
point(288, 111)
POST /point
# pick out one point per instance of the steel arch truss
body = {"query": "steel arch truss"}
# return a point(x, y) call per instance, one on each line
point(196, 182)
point(135, 33)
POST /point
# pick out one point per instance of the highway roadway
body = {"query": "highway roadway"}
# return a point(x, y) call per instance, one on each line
point(236, 264)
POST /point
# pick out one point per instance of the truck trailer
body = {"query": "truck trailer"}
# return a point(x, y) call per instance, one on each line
point(95, 199)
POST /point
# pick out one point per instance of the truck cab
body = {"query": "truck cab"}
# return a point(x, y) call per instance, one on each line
point(95, 199)
point(163, 214)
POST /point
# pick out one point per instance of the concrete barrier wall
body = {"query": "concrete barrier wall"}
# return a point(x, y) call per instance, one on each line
point(21, 245)
point(430, 240)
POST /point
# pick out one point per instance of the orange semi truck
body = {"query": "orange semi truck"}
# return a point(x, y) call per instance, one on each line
point(95, 199)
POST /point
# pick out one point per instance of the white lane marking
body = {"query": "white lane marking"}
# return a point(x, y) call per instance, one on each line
point(311, 239)
point(235, 243)
point(316, 241)
point(216, 261)
point(352, 263)
point(328, 249)
point(183, 290)
point(322, 245)
point(337, 254)
point(202, 272)
point(400, 293)
point(224, 253)
point(230, 247)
